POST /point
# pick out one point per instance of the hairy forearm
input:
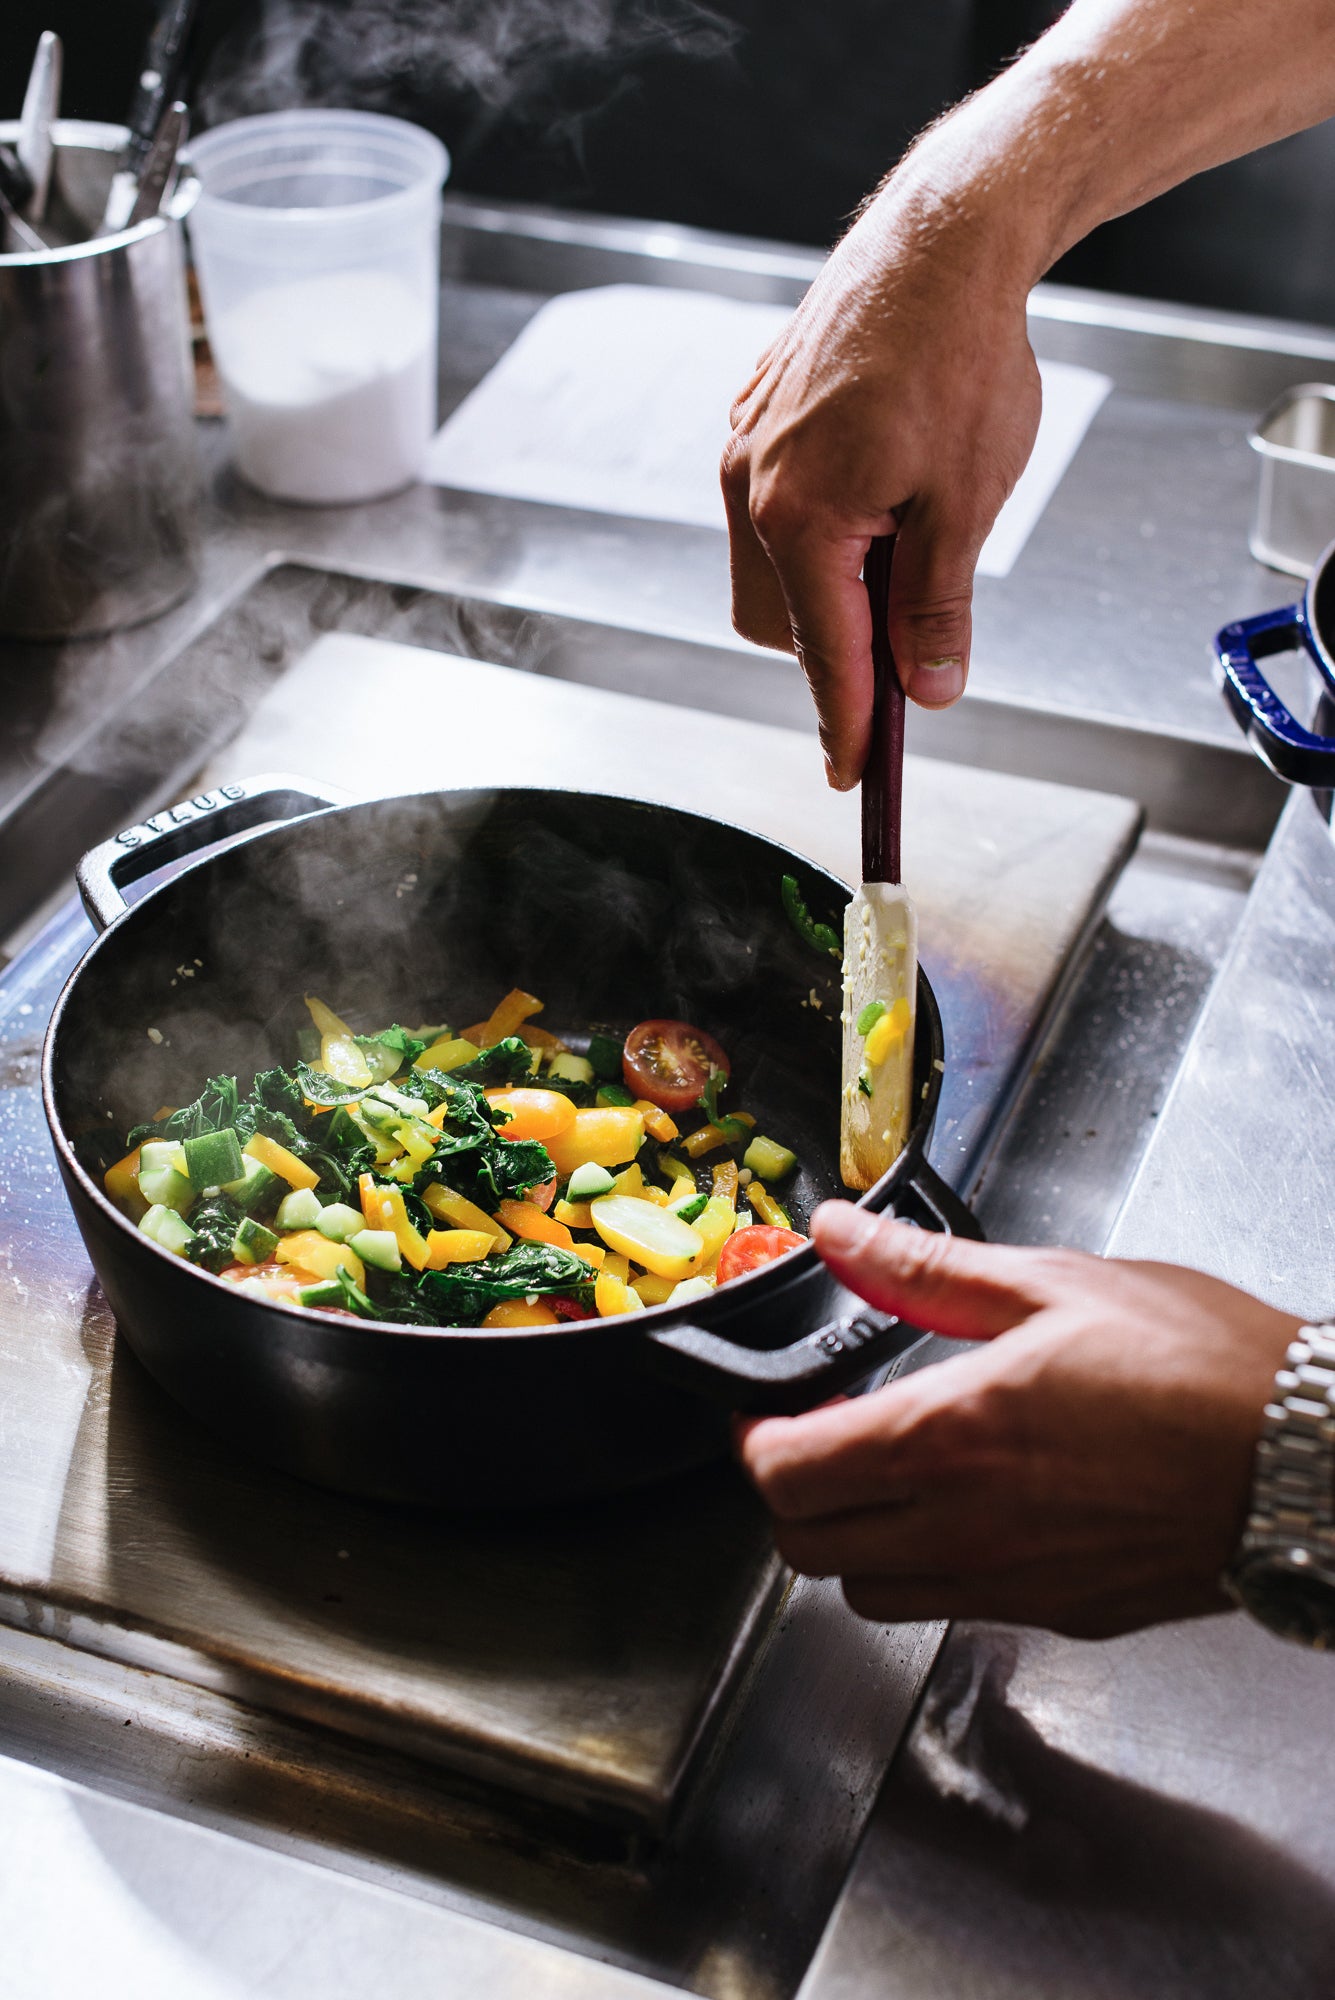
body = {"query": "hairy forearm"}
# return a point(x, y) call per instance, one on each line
point(1120, 100)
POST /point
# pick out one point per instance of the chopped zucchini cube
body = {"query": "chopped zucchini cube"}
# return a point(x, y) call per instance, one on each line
point(588, 1182)
point(689, 1206)
point(167, 1229)
point(377, 1247)
point(214, 1158)
point(155, 1154)
point(253, 1243)
point(768, 1160)
point(165, 1188)
point(327, 1293)
point(338, 1222)
point(257, 1188)
point(614, 1094)
point(605, 1056)
point(572, 1069)
point(689, 1290)
point(300, 1209)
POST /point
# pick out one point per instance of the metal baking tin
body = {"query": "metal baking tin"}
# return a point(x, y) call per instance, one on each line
point(1295, 506)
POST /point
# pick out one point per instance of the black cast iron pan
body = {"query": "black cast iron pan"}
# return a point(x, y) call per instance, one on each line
point(425, 908)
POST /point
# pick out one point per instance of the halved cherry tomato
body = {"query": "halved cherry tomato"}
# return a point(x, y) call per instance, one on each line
point(747, 1249)
point(565, 1308)
point(670, 1062)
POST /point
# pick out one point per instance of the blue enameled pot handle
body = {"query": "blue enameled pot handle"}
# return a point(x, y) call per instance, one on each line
point(1293, 753)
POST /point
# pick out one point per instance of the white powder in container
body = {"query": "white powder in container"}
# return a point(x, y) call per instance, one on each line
point(330, 385)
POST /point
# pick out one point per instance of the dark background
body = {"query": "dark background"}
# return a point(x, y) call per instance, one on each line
point(774, 118)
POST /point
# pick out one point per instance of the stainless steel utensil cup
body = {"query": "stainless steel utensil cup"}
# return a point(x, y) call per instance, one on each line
point(99, 472)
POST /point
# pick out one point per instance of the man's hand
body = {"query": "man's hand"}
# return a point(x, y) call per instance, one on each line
point(1087, 1469)
point(902, 396)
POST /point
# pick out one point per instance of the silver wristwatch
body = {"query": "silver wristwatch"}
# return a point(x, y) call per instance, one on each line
point(1284, 1570)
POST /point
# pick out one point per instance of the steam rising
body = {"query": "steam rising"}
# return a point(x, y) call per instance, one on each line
point(503, 53)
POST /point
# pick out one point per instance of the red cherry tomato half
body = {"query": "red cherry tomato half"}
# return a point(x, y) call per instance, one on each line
point(565, 1308)
point(760, 1243)
point(543, 1194)
point(669, 1062)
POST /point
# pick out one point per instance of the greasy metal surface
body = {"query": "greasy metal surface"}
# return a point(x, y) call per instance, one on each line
point(732, 1903)
point(1240, 1175)
point(1105, 619)
point(166, 1910)
point(1148, 1816)
point(1093, 1102)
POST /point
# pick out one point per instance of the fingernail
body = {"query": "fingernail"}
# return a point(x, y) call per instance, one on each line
point(843, 1227)
point(936, 683)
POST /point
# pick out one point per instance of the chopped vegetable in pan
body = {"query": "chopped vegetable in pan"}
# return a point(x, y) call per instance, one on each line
point(492, 1177)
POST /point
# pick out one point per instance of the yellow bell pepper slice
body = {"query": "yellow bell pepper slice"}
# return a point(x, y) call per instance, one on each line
point(518, 1312)
point(653, 1237)
point(279, 1161)
point(888, 1032)
point(307, 1250)
point(657, 1123)
point(457, 1246)
point(653, 1290)
point(601, 1136)
point(574, 1214)
point(447, 1206)
point(339, 1055)
point(714, 1225)
point(595, 1254)
point(383, 1208)
point(532, 1114)
point(507, 1019)
point(611, 1296)
point(726, 1181)
point(121, 1182)
point(448, 1054)
point(765, 1206)
point(629, 1181)
point(524, 1219)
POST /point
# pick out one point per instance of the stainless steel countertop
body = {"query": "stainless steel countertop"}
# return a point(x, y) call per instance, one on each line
point(1142, 1817)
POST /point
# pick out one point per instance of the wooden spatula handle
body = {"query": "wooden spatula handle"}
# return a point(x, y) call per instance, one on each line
point(883, 779)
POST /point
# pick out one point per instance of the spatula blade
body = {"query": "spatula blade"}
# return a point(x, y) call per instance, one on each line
point(880, 968)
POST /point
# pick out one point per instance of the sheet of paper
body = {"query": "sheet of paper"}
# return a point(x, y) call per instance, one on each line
point(617, 400)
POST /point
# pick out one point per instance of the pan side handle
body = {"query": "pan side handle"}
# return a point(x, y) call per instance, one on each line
point(1292, 752)
point(782, 1381)
point(185, 829)
point(933, 1204)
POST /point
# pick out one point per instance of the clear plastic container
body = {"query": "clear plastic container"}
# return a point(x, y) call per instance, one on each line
point(317, 241)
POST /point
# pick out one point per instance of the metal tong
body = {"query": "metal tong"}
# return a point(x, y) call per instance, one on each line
point(156, 123)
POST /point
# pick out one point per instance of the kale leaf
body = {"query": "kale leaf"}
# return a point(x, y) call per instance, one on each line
point(464, 1294)
point(504, 1062)
point(214, 1108)
point(322, 1088)
point(214, 1223)
point(509, 1168)
point(397, 1040)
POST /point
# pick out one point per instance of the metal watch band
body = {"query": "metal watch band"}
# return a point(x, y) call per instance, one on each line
point(1293, 1485)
